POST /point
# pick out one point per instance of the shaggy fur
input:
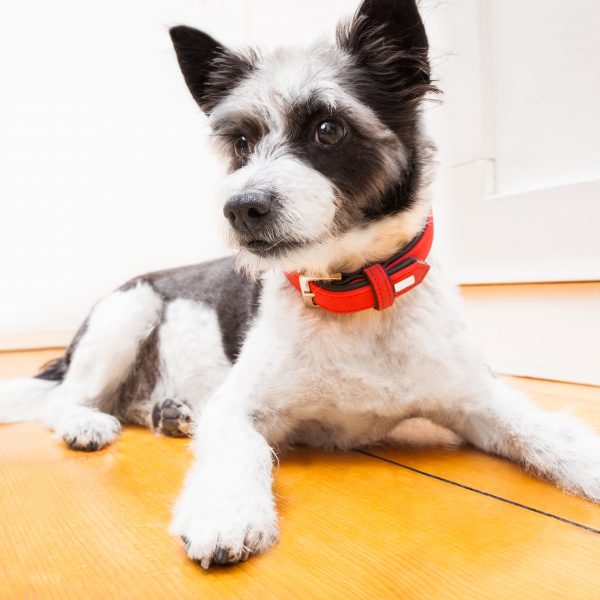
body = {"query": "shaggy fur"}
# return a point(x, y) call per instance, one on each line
point(234, 358)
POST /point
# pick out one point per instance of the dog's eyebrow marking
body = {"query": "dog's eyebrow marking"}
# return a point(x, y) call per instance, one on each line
point(242, 124)
point(478, 491)
point(299, 115)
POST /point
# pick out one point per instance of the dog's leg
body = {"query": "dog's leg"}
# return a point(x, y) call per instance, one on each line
point(100, 363)
point(502, 421)
point(193, 365)
point(227, 510)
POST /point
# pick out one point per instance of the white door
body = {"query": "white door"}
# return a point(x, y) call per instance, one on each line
point(519, 136)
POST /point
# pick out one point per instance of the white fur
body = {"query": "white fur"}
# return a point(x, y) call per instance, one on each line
point(106, 351)
point(309, 196)
point(84, 428)
point(24, 399)
point(227, 502)
point(283, 78)
point(105, 354)
point(193, 363)
point(358, 247)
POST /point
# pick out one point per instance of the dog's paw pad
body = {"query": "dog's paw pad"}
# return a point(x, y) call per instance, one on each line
point(226, 556)
point(172, 418)
point(221, 556)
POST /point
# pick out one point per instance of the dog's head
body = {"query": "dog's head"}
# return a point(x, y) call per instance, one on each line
point(323, 144)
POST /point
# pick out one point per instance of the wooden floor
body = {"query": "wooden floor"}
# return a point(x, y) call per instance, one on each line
point(378, 524)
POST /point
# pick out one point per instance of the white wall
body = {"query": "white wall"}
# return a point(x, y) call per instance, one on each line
point(104, 167)
point(106, 173)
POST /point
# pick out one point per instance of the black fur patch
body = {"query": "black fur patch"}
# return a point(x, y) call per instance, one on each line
point(56, 369)
point(391, 71)
point(210, 70)
point(352, 165)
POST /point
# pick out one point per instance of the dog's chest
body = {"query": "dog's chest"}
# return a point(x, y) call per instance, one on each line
point(367, 363)
point(361, 367)
point(349, 375)
point(346, 383)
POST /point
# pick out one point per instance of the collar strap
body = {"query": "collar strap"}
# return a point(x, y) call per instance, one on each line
point(376, 286)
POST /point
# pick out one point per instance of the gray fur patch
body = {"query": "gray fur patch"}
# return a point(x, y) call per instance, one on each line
point(233, 295)
point(140, 383)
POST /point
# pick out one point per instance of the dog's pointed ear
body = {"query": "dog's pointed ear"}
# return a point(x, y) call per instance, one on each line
point(210, 70)
point(388, 38)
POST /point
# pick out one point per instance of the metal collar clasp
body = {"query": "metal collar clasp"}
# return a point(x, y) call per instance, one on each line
point(307, 294)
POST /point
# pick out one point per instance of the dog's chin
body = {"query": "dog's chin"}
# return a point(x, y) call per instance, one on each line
point(269, 249)
point(317, 257)
point(257, 256)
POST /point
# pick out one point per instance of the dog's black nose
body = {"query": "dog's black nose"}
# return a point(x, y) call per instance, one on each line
point(248, 212)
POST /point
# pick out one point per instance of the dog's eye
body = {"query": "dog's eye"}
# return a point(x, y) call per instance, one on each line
point(329, 133)
point(241, 147)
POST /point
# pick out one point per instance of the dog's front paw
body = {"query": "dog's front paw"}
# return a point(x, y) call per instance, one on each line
point(224, 532)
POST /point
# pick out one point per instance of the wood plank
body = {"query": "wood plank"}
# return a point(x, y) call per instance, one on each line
point(25, 363)
point(584, 399)
point(94, 525)
point(470, 467)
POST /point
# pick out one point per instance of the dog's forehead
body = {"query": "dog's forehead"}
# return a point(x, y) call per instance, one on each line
point(284, 80)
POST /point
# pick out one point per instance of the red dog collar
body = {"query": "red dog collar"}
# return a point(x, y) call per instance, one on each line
point(375, 286)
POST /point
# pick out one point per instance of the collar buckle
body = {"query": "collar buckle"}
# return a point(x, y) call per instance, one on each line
point(307, 295)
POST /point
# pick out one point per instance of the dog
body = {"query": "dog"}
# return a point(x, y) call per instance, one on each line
point(331, 324)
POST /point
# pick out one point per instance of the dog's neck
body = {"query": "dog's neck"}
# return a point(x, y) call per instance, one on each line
point(374, 242)
point(376, 286)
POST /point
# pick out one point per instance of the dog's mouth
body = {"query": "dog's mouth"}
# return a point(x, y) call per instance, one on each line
point(270, 248)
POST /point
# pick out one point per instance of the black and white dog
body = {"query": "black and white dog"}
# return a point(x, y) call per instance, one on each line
point(325, 328)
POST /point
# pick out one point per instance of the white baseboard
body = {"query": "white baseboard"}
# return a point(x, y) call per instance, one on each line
point(546, 331)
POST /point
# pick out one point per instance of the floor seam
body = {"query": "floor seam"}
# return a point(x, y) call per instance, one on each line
point(481, 492)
